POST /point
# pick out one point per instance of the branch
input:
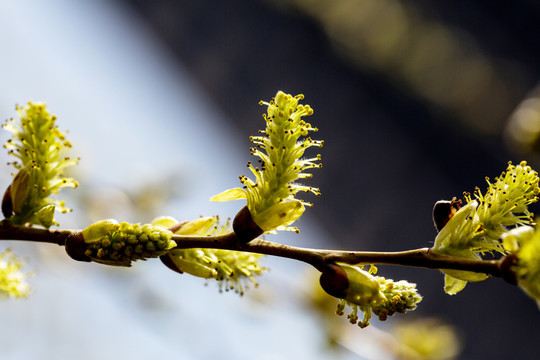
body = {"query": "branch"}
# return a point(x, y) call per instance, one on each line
point(26, 233)
point(424, 257)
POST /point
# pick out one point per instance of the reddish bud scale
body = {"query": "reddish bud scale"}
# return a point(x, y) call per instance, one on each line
point(334, 280)
point(244, 227)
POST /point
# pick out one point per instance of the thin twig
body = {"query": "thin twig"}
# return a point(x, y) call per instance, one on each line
point(423, 257)
point(26, 233)
point(318, 258)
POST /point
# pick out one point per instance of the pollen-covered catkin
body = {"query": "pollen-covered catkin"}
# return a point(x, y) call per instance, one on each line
point(271, 197)
point(39, 148)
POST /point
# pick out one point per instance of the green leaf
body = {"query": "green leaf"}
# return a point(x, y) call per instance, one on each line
point(452, 285)
point(99, 230)
point(164, 221)
point(466, 275)
point(45, 216)
point(280, 214)
point(192, 267)
point(228, 195)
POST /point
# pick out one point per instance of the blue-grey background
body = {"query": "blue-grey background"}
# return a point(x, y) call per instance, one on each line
point(412, 99)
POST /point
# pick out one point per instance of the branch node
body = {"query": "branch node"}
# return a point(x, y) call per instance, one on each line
point(506, 266)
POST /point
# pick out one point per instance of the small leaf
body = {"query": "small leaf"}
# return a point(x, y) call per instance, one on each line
point(99, 230)
point(452, 285)
point(228, 195)
point(164, 222)
point(192, 267)
point(466, 275)
point(281, 214)
point(45, 216)
point(197, 226)
point(512, 239)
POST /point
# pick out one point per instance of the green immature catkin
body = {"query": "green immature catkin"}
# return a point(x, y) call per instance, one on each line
point(110, 243)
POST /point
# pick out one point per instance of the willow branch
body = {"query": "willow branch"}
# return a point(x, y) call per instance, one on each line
point(424, 257)
point(25, 233)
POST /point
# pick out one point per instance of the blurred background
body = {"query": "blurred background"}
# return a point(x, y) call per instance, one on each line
point(416, 101)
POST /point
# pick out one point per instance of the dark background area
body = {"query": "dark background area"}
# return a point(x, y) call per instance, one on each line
point(390, 150)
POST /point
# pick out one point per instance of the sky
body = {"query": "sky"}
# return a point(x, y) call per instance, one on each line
point(134, 117)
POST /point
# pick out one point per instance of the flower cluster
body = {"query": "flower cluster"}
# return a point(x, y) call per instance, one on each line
point(402, 296)
point(360, 290)
point(476, 228)
point(524, 243)
point(234, 270)
point(12, 280)
point(40, 148)
point(271, 197)
point(110, 243)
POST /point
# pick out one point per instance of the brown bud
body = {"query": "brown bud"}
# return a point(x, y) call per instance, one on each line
point(244, 227)
point(443, 210)
point(7, 205)
point(166, 260)
point(76, 247)
point(177, 226)
point(507, 268)
point(334, 280)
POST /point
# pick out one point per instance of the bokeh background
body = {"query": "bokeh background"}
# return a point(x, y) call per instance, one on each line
point(416, 101)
